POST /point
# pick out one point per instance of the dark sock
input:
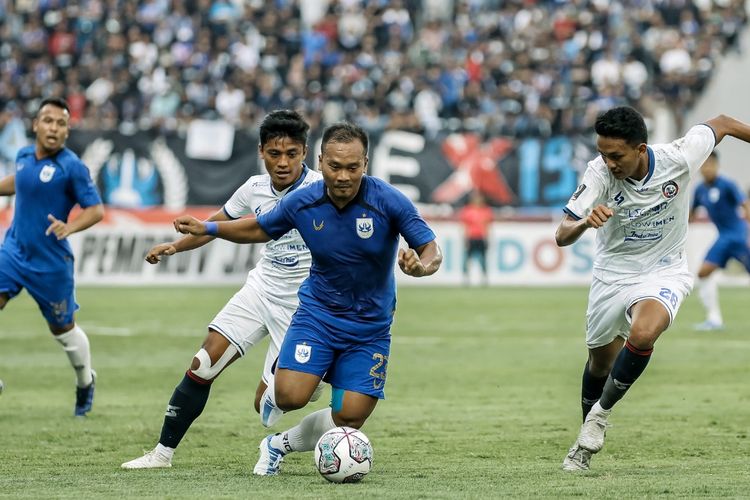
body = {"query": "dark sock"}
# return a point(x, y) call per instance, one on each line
point(629, 365)
point(591, 390)
point(187, 403)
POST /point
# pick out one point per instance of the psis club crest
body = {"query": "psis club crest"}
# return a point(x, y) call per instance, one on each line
point(365, 227)
point(302, 353)
point(670, 189)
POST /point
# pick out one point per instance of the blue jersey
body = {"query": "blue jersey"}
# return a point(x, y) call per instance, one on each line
point(52, 185)
point(721, 200)
point(351, 287)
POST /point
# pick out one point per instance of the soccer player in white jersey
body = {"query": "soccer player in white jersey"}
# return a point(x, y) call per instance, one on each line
point(636, 197)
point(267, 301)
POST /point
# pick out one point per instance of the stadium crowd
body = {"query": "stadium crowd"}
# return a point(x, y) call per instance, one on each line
point(512, 67)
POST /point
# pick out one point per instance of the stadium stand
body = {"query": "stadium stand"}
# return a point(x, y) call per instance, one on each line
point(517, 68)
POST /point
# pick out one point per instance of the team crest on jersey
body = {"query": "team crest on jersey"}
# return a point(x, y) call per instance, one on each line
point(670, 189)
point(364, 227)
point(302, 353)
point(46, 173)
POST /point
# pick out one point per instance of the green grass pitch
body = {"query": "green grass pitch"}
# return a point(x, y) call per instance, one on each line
point(482, 402)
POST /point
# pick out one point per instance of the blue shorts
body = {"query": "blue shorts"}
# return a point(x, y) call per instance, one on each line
point(725, 249)
point(53, 291)
point(310, 347)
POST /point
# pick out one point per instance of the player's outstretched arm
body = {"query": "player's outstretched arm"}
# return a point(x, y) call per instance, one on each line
point(184, 244)
point(724, 125)
point(238, 231)
point(422, 261)
point(8, 185)
point(571, 229)
point(87, 218)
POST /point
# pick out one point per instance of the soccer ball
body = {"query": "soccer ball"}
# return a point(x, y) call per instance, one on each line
point(343, 455)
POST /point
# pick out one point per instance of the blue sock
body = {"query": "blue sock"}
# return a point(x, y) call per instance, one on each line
point(629, 365)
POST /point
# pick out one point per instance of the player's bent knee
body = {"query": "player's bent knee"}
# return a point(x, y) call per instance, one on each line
point(290, 401)
point(203, 368)
point(343, 420)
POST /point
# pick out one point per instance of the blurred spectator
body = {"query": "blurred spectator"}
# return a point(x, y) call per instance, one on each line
point(517, 67)
point(476, 217)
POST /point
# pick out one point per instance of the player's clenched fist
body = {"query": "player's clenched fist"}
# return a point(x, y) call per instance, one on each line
point(409, 262)
point(154, 255)
point(187, 224)
point(599, 216)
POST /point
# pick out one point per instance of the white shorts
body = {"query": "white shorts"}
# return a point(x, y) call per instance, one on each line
point(248, 317)
point(608, 314)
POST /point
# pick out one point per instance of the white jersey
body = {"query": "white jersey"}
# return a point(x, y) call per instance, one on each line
point(285, 262)
point(649, 228)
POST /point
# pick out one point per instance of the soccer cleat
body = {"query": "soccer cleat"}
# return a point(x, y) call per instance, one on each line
point(591, 435)
point(317, 392)
point(708, 326)
point(269, 461)
point(577, 459)
point(151, 460)
point(85, 397)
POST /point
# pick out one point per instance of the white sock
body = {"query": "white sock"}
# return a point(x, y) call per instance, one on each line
point(708, 290)
point(598, 410)
point(76, 346)
point(270, 392)
point(305, 435)
point(165, 451)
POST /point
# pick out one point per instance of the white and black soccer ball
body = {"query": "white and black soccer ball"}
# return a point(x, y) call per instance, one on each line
point(343, 455)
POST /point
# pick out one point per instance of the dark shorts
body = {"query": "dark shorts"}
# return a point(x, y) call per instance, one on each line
point(476, 247)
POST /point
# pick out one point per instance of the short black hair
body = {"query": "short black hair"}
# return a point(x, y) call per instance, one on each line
point(344, 132)
point(284, 123)
point(622, 122)
point(58, 102)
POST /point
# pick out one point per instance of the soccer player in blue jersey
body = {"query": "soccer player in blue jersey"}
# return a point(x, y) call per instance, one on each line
point(341, 332)
point(49, 181)
point(722, 199)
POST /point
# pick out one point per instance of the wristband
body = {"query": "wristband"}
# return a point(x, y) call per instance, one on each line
point(212, 228)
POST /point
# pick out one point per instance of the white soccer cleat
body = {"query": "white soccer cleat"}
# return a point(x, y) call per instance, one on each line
point(591, 435)
point(151, 460)
point(317, 392)
point(708, 326)
point(577, 459)
point(269, 461)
